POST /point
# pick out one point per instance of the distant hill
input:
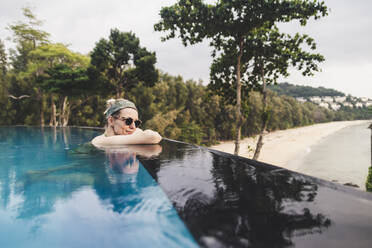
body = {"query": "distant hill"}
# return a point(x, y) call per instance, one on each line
point(303, 91)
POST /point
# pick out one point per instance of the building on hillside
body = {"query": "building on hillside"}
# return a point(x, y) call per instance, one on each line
point(364, 99)
point(340, 99)
point(367, 104)
point(324, 105)
point(301, 99)
point(316, 99)
point(328, 99)
point(335, 106)
point(359, 105)
point(347, 104)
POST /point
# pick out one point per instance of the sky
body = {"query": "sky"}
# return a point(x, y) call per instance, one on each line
point(344, 37)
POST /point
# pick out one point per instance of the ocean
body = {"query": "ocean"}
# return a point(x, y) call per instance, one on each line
point(342, 157)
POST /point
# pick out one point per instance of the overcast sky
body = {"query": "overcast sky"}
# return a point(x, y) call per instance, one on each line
point(344, 37)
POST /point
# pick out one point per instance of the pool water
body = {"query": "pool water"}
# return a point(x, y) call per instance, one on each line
point(56, 191)
point(54, 195)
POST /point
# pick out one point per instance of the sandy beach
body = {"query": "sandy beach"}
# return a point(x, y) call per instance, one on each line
point(282, 147)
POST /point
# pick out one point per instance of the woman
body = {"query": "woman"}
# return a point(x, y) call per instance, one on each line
point(122, 126)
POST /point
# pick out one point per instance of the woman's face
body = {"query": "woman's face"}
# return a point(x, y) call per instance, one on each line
point(119, 125)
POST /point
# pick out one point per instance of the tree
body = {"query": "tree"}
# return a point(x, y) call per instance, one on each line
point(58, 71)
point(7, 112)
point(66, 81)
point(27, 36)
point(227, 23)
point(122, 62)
point(3, 60)
point(272, 54)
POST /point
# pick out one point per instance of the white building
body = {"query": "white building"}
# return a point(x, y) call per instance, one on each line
point(364, 99)
point(301, 99)
point(347, 104)
point(335, 106)
point(340, 99)
point(328, 99)
point(359, 105)
point(367, 104)
point(315, 99)
point(324, 105)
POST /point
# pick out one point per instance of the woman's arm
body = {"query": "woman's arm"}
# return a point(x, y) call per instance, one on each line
point(136, 138)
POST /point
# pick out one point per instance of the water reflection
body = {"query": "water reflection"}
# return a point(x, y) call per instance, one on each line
point(125, 179)
point(48, 191)
point(124, 159)
point(49, 194)
point(244, 206)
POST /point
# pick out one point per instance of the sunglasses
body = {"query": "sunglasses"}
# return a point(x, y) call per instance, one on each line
point(129, 121)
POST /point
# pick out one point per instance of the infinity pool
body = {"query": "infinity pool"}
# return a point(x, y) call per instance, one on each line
point(54, 196)
point(57, 192)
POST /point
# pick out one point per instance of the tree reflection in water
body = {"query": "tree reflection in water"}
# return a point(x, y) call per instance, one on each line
point(258, 206)
point(111, 172)
point(58, 197)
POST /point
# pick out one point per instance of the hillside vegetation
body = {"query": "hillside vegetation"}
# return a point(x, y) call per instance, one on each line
point(303, 91)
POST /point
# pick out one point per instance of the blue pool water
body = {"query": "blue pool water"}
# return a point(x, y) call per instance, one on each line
point(53, 197)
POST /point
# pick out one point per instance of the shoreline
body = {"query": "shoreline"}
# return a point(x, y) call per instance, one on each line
point(283, 146)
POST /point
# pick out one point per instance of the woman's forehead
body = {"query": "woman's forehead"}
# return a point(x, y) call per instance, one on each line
point(129, 112)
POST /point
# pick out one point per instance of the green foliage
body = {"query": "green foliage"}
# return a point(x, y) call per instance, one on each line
point(242, 32)
point(3, 60)
point(194, 20)
point(267, 55)
point(161, 121)
point(369, 180)
point(303, 91)
point(66, 80)
point(7, 111)
point(27, 36)
point(121, 63)
point(88, 112)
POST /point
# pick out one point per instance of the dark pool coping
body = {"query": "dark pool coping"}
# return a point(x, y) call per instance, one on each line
point(323, 182)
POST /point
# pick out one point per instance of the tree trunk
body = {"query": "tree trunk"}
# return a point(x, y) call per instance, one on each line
point(54, 113)
point(370, 127)
point(53, 116)
point(238, 99)
point(60, 116)
point(67, 115)
point(65, 112)
point(119, 91)
point(264, 117)
point(41, 99)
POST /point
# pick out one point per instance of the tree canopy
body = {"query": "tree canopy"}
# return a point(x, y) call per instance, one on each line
point(122, 62)
point(229, 24)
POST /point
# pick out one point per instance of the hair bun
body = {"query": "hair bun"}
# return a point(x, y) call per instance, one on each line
point(110, 102)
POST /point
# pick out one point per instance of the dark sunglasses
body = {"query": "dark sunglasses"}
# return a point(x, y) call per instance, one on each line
point(129, 121)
